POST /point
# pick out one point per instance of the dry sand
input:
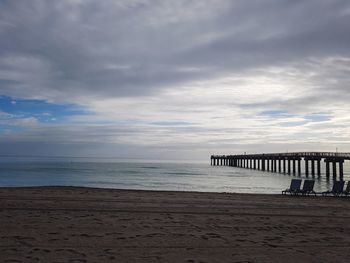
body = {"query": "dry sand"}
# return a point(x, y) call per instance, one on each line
point(66, 224)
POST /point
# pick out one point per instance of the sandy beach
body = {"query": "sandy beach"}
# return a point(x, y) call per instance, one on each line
point(69, 224)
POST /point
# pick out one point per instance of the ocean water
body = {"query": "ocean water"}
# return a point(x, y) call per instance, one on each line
point(150, 176)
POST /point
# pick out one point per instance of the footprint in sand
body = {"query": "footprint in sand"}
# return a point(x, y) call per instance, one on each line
point(12, 261)
point(9, 249)
point(71, 251)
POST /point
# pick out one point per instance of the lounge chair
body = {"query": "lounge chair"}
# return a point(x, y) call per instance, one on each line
point(308, 188)
point(346, 192)
point(294, 187)
point(337, 189)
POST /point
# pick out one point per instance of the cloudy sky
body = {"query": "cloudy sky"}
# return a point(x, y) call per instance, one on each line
point(173, 79)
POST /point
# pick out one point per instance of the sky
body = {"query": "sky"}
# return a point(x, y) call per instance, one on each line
point(173, 79)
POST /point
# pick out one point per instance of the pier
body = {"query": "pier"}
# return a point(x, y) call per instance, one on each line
point(287, 163)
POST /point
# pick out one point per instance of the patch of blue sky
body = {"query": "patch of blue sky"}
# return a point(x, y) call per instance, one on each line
point(309, 118)
point(318, 117)
point(8, 128)
point(275, 114)
point(312, 117)
point(293, 123)
point(171, 123)
point(39, 109)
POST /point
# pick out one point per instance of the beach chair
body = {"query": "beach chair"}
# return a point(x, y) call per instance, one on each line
point(346, 192)
point(337, 189)
point(308, 188)
point(294, 187)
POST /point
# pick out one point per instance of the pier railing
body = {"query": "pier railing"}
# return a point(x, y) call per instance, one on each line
point(344, 155)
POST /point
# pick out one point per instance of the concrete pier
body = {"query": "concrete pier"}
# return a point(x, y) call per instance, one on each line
point(290, 163)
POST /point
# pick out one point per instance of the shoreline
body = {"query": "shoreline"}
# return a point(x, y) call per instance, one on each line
point(122, 189)
point(72, 187)
point(82, 224)
point(128, 190)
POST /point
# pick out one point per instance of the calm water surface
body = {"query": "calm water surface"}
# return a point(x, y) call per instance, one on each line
point(150, 176)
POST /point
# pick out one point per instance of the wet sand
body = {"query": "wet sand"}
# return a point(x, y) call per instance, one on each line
point(66, 224)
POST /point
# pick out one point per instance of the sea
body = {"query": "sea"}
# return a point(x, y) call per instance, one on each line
point(149, 175)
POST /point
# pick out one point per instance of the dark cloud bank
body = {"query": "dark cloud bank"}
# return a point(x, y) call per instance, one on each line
point(133, 48)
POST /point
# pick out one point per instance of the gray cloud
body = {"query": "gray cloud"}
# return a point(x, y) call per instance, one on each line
point(138, 47)
point(177, 75)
